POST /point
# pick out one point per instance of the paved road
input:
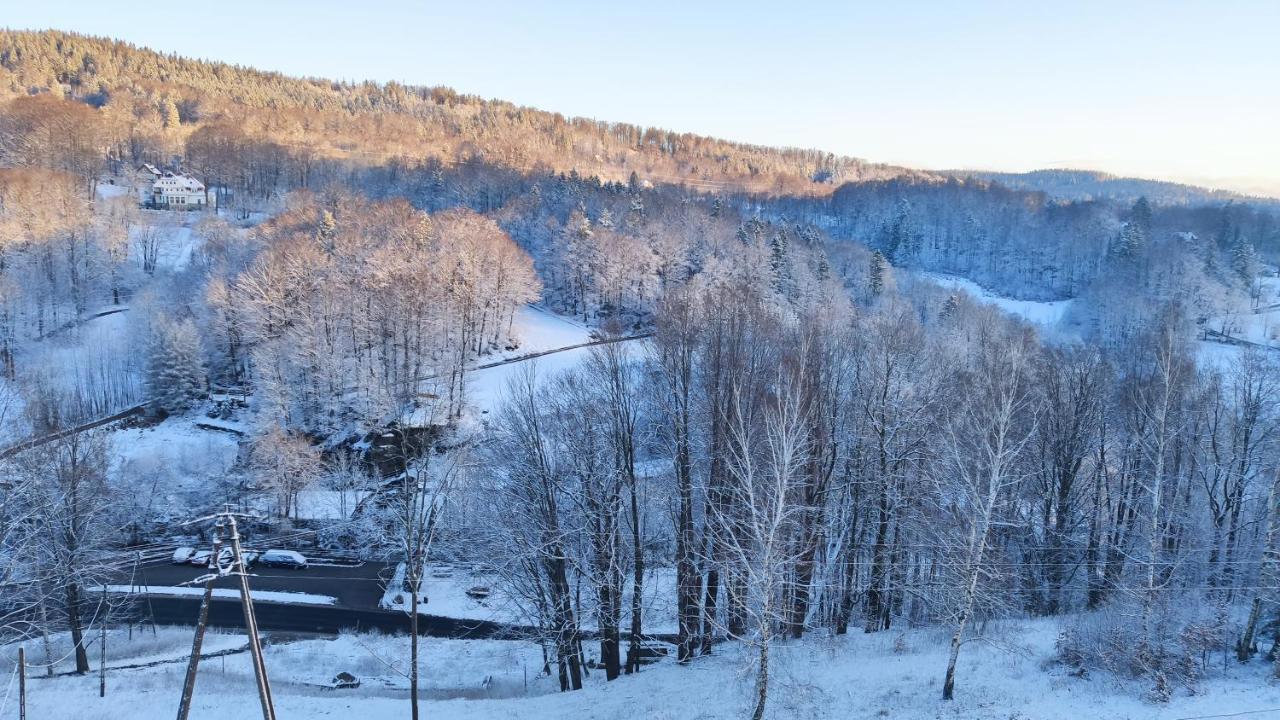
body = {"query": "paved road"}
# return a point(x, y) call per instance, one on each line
point(227, 613)
point(357, 589)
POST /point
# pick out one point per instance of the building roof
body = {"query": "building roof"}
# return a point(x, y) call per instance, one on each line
point(178, 183)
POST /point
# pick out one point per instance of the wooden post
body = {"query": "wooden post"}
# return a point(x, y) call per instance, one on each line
point(102, 647)
point(22, 683)
point(189, 684)
point(251, 623)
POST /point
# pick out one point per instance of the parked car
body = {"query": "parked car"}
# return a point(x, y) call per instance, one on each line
point(479, 592)
point(200, 558)
point(182, 555)
point(283, 558)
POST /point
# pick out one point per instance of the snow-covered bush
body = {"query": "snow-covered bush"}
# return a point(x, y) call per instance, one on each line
point(1168, 651)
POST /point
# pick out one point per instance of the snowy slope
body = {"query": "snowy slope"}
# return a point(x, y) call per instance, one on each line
point(539, 331)
point(894, 675)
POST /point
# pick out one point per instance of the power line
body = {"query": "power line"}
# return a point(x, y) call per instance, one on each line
point(1233, 714)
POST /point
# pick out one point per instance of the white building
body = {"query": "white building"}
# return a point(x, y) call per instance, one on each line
point(178, 192)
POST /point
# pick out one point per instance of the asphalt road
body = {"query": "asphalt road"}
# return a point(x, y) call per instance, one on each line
point(356, 588)
point(227, 613)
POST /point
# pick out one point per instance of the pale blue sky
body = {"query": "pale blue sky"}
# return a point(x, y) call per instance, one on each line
point(1176, 89)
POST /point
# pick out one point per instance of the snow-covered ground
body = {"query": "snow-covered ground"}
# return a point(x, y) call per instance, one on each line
point(164, 467)
point(1043, 313)
point(885, 675)
point(1258, 326)
point(486, 388)
point(539, 331)
point(89, 355)
point(293, 598)
point(126, 645)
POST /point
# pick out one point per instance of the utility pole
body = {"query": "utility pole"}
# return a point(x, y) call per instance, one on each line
point(189, 684)
point(226, 531)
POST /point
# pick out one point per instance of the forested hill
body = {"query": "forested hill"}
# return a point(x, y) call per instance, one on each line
point(1093, 185)
point(152, 103)
point(92, 108)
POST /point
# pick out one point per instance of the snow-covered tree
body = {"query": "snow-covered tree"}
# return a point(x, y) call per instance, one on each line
point(175, 365)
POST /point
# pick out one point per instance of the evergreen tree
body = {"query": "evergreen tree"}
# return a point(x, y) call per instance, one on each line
point(1130, 242)
point(1244, 260)
point(875, 279)
point(175, 372)
point(901, 242)
point(169, 113)
point(780, 264)
point(949, 307)
point(1140, 216)
point(635, 215)
point(325, 230)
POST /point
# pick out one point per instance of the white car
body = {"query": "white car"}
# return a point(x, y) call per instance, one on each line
point(182, 555)
point(283, 558)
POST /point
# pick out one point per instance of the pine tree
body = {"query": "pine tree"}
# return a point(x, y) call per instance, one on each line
point(1130, 242)
point(901, 241)
point(175, 372)
point(325, 230)
point(780, 264)
point(1244, 259)
point(949, 307)
point(1140, 215)
point(635, 216)
point(875, 279)
point(169, 113)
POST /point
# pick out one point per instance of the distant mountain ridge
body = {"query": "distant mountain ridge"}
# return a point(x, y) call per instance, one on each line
point(1068, 184)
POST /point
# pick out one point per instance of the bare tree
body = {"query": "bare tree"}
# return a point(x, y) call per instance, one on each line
point(983, 441)
point(412, 515)
point(770, 448)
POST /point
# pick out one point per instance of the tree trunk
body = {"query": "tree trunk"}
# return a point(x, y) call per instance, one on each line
point(413, 649)
point(77, 630)
point(637, 595)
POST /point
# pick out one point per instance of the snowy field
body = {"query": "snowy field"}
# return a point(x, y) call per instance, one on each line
point(165, 466)
point(886, 675)
point(539, 331)
point(1042, 313)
